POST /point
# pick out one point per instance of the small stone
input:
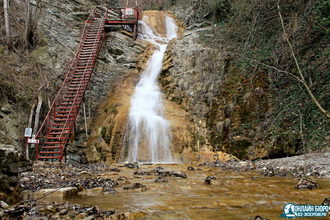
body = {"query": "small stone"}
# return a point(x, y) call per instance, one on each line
point(134, 165)
point(306, 184)
point(5, 110)
point(4, 205)
point(160, 180)
point(136, 215)
point(258, 217)
point(81, 216)
point(208, 180)
point(64, 211)
point(65, 192)
point(191, 168)
point(51, 208)
point(115, 170)
point(91, 217)
point(93, 191)
point(326, 201)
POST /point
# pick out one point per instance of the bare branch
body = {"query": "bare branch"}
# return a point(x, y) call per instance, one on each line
point(302, 79)
point(271, 67)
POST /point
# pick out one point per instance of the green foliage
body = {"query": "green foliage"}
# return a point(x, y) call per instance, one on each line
point(252, 30)
point(216, 10)
point(322, 16)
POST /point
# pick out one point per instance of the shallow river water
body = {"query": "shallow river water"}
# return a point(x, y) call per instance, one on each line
point(233, 195)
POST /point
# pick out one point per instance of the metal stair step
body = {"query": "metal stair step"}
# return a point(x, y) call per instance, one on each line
point(81, 77)
point(69, 119)
point(77, 83)
point(88, 49)
point(67, 112)
point(64, 116)
point(68, 92)
point(70, 105)
point(53, 142)
point(56, 124)
point(48, 157)
point(52, 147)
point(84, 67)
point(83, 57)
point(72, 100)
point(58, 133)
point(56, 138)
point(50, 152)
point(76, 89)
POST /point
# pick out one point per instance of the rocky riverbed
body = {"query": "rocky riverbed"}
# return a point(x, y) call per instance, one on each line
point(309, 165)
point(167, 191)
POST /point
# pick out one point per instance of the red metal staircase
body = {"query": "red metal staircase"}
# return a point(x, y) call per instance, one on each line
point(55, 131)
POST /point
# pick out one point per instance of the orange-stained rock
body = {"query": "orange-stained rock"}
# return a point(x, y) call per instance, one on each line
point(188, 156)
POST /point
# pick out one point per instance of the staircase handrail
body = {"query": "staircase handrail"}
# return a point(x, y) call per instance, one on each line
point(137, 12)
point(68, 76)
point(95, 45)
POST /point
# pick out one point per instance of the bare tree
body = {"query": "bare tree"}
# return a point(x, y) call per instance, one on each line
point(7, 24)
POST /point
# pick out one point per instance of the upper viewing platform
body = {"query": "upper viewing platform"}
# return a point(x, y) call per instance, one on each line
point(125, 16)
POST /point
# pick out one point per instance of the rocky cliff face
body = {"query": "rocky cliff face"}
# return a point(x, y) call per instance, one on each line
point(220, 102)
point(12, 163)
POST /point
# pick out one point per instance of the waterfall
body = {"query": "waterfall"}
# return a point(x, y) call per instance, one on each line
point(148, 133)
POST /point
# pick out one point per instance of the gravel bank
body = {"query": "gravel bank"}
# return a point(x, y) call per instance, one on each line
point(309, 165)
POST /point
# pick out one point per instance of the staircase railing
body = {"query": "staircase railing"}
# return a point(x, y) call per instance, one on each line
point(90, 62)
point(45, 126)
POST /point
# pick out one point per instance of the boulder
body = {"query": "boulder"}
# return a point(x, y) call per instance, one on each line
point(92, 192)
point(63, 193)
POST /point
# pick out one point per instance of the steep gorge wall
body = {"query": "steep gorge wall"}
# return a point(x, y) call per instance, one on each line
point(222, 103)
point(203, 81)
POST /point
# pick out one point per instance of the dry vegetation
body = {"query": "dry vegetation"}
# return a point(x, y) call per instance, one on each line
point(19, 75)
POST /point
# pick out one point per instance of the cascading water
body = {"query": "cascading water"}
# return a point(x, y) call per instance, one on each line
point(148, 137)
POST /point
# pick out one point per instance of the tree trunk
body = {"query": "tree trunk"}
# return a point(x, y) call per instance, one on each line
point(7, 24)
point(36, 118)
point(31, 115)
point(27, 24)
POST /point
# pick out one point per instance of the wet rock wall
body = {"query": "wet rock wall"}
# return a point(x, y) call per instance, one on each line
point(11, 164)
point(220, 101)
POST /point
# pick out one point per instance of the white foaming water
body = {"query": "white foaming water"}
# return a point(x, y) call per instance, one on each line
point(148, 136)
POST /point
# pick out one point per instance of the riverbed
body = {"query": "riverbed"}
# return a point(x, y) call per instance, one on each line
point(230, 194)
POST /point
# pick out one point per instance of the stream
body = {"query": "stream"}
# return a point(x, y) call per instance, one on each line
point(233, 195)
